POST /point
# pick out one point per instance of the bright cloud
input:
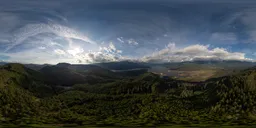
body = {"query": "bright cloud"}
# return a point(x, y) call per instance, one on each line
point(105, 54)
point(129, 41)
point(110, 49)
point(132, 42)
point(41, 47)
point(75, 51)
point(31, 30)
point(59, 52)
point(52, 32)
point(55, 44)
point(120, 39)
point(110, 53)
point(193, 52)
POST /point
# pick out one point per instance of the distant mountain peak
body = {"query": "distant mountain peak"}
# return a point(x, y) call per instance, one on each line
point(63, 64)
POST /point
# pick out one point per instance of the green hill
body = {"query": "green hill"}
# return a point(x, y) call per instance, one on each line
point(68, 75)
point(144, 84)
point(32, 97)
point(235, 92)
point(17, 75)
point(62, 76)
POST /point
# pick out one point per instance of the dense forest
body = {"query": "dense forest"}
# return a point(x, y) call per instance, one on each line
point(92, 95)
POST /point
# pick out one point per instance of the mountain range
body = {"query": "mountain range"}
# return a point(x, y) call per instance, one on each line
point(98, 95)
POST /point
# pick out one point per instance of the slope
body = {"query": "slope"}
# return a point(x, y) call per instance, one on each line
point(17, 75)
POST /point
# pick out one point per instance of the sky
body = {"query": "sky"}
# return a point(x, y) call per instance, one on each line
point(95, 31)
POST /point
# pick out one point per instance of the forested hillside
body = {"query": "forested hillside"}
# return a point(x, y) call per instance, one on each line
point(65, 94)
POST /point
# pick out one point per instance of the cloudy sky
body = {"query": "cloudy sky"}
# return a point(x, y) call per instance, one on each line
point(92, 31)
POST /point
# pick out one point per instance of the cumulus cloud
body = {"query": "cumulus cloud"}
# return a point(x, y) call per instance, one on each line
point(120, 39)
point(46, 30)
point(111, 54)
point(98, 57)
point(105, 54)
point(193, 52)
point(132, 42)
point(73, 55)
point(111, 48)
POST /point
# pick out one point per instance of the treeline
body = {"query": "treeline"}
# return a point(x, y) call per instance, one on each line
point(146, 100)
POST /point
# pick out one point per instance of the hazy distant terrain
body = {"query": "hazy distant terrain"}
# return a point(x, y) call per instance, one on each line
point(200, 71)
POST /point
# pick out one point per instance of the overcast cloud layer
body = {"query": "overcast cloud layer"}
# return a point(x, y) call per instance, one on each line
point(93, 31)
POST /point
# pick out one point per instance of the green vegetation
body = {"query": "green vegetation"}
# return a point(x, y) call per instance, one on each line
point(30, 98)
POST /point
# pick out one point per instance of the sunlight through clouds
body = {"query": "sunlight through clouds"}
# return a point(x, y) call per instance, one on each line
point(129, 30)
point(34, 29)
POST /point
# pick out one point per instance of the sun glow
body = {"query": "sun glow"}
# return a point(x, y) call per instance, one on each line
point(75, 51)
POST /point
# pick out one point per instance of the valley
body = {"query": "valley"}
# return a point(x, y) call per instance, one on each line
point(127, 63)
point(93, 95)
point(199, 71)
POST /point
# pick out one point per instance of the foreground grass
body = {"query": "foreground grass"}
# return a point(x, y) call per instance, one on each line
point(92, 126)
